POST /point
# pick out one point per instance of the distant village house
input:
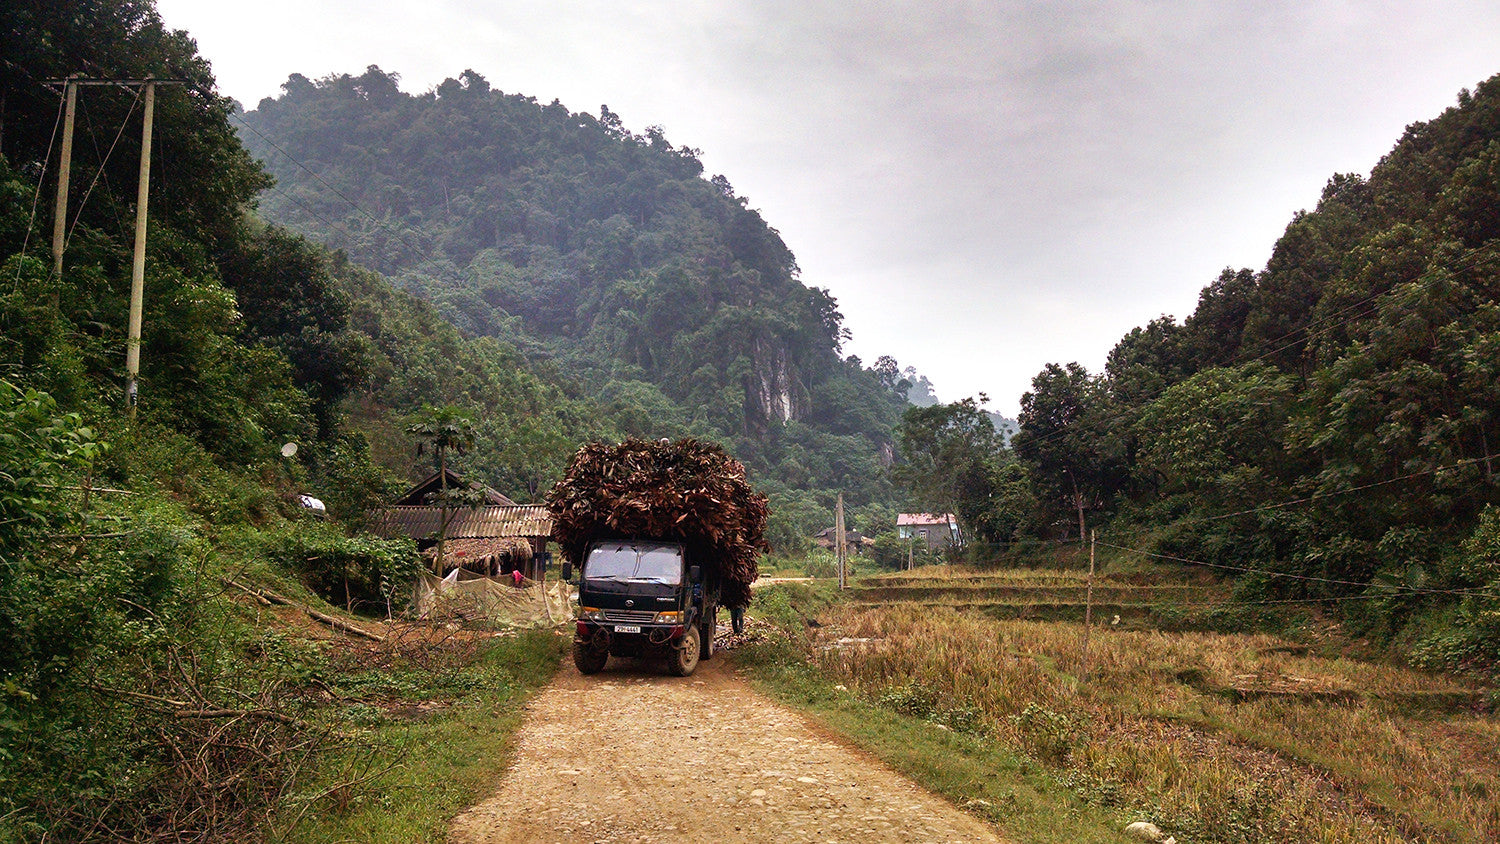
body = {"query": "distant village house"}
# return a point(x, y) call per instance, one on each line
point(856, 541)
point(938, 531)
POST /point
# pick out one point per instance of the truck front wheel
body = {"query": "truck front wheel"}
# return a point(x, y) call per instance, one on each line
point(588, 660)
point(684, 657)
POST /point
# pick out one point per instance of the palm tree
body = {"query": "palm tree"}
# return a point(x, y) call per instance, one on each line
point(445, 429)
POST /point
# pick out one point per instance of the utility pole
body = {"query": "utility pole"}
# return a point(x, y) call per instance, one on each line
point(138, 263)
point(841, 546)
point(64, 167)
point(1088, 607)
point(143, 191)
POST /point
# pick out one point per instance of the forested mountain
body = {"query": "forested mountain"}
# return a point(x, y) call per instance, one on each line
point(597, 253)
point(1334, 418)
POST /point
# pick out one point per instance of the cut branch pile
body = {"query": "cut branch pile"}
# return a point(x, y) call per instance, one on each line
point(685, 491)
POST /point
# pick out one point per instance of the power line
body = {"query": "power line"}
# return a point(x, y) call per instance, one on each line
point(37, 194)
point(78, 217)
point(297, 202)
point(1321, 495)
point(1479, 591)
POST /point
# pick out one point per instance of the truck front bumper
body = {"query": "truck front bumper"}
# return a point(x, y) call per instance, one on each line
point(614, 636)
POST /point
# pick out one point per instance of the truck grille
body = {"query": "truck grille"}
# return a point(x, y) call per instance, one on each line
point(634, 616)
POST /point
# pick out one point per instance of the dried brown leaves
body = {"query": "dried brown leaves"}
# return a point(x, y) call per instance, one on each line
point(687, 491)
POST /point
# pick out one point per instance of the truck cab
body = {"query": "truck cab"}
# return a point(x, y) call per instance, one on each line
point(644, 598)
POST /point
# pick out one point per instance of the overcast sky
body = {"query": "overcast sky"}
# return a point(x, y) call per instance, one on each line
point(985, 187)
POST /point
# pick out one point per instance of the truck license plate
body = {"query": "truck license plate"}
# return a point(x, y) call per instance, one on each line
point(627, 628)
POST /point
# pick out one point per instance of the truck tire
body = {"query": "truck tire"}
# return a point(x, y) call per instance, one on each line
point(588, 660)
point(707, 632)
point(683, 660)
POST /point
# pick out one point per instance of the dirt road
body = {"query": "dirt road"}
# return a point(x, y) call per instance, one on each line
point(631, 755)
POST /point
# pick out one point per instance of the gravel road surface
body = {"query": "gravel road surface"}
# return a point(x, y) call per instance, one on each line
point(633, 755)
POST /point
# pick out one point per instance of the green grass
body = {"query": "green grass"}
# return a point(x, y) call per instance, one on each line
point(405, 772)
point(972, 771)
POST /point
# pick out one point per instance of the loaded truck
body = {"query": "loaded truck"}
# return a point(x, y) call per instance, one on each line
point(644, 598)
point(663, 534)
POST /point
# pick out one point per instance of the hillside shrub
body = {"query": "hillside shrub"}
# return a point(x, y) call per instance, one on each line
point(129, 706)
point(356, 572)
point(1473, 642)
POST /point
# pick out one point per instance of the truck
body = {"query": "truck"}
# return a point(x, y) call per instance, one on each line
point(644, 598)
point(663, 533)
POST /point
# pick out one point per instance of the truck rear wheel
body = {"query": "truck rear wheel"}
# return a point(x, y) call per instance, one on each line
point(684, 657)
point(706, 633)
point(588, 660)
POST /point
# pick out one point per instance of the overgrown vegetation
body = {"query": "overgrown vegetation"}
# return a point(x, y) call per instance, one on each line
point(426, 732)
point(141, 696)
point(1242, 738)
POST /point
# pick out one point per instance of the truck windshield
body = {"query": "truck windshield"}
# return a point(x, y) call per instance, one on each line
point(635, 561)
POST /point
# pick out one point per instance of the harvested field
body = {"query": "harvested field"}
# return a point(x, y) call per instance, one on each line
point(1041, 595)
point(1235, 738)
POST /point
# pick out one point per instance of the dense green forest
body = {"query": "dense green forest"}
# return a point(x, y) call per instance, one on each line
point(1327, 428)
point(607, 261)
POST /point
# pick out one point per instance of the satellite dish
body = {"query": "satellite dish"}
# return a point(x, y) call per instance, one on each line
point(289, 450)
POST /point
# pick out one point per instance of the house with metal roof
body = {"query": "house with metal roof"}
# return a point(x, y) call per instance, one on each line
point(493, 538)
point(937, 530)
point(828, 537)
point(427, 490)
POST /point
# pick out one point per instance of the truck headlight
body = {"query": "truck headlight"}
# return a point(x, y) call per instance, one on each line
point(591, 613)
point(669, 617)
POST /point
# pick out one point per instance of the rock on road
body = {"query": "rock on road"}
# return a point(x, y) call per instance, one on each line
point(631, 755)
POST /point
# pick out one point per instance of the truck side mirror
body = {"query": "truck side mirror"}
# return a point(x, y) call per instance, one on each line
point(695, 574)
point(567, 572)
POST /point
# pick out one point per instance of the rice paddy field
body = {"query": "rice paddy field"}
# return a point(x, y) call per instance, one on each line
point(1213, 736)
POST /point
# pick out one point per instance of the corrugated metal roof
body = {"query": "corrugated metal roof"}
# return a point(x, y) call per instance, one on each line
point(904, 519)
point(526, 520)
point(417, 496)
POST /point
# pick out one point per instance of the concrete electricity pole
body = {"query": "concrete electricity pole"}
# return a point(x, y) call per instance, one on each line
point(841, 545)
point(143, 192)
point(65, 165)
point(138, 263)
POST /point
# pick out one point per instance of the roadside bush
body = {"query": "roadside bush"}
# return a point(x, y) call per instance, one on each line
point(911, 699)
point(890, 551)
point(819, 562)
point(1473, 642)
point(1046, 734)
point(131, 707)
point(357, 572)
